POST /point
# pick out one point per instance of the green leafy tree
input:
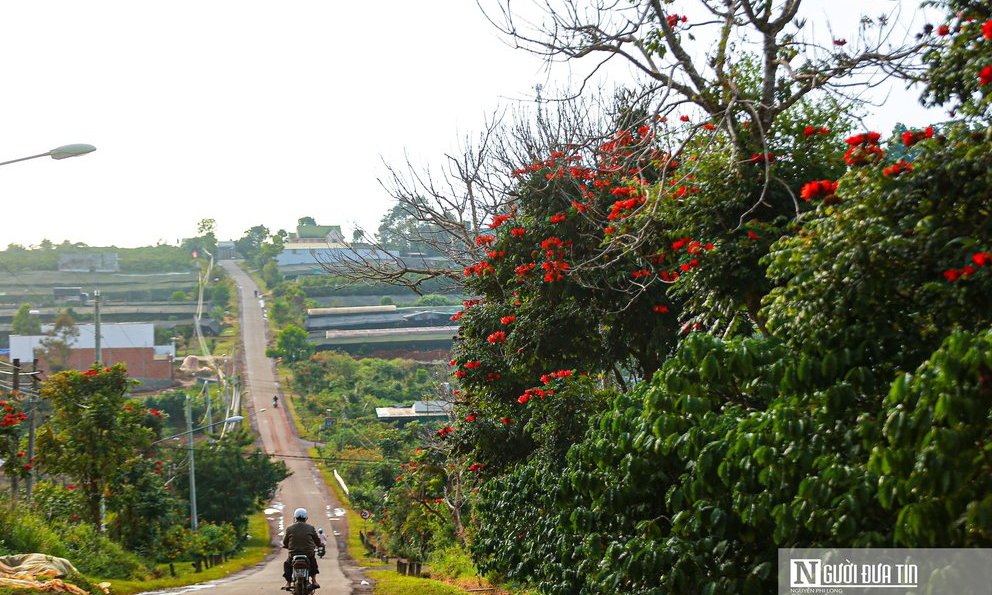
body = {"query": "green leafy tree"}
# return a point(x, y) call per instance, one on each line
point(232, 481)
point(94, 431)
point(271, 274)
point(292, 345)
point(250, 245)
point(142, 507)
point(25, 323)
point(173, 545)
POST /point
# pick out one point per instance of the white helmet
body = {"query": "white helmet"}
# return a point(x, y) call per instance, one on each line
point(300, 514)
point(320, 530)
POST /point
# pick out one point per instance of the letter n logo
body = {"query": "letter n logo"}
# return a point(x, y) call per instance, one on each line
point(804, 572)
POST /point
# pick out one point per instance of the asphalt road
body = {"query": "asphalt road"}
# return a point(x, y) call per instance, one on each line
point(303, 488)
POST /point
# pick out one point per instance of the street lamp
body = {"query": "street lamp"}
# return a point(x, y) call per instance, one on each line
point(59, 153)
point(192, 464)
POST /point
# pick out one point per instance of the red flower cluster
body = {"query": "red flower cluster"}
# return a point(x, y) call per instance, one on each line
point(985, 76)
point(817, 189)
point(863, 149)
point(709, 126)
point(485, 240)
point(518, 232)
point(534, 392)
point(555, 265)
point(506, 421)
point(491, 376)
point(473, 364)
point(581, 208)
point(558, 218)
point(899, 167)
point(660, 309)
point(508, 319)
point(470, 417)
point(552, 376)
point(911, 137)
point(752, 236)
point(840, 42)
point(980, 260)
point(497, 337)
point(522, 270)
point(498, 220)
point(987, 30)
point(479, 269)
point(763, 157)
point(155, 412)
point(943, 30)
point(476, 467)
point(496, 254)
point(620, 207)
point(674, 19)
point(12, 419)
point(445, 431)
point(809, 131)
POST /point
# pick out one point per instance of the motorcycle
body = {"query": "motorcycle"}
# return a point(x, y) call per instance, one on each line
point(321, 550)
point(301, 575)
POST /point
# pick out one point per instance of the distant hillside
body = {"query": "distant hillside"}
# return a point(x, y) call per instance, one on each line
point(149, 259)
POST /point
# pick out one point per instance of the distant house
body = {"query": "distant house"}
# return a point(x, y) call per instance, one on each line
point(87, 262)
point(129, 343)
point(419, 410)
point(70, 294)
point(299, 258)
point(226, 251)
point(317, 234)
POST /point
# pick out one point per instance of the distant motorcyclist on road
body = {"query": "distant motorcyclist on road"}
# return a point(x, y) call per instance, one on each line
point(323, 542)
point(300, 538)
point(275, 401)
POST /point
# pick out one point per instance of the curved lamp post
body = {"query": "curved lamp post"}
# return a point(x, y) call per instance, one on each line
point(59, 153)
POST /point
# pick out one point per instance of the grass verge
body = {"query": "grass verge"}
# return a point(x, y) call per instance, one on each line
point(256, 549)
point(387, 582)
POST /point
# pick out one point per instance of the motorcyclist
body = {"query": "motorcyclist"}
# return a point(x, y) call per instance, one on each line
point(300, 538)
point(323, 541)
point(275, 401)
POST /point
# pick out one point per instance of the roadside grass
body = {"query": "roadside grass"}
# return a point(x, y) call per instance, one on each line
point(256, 550)
point(387, 582)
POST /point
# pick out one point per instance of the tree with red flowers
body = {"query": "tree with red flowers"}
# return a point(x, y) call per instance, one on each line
point(12, 428)
point(94, 431)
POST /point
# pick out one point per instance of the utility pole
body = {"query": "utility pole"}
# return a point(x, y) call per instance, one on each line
point(192, 469)
point(15, 387)
point(32, 405)
point(96, 337)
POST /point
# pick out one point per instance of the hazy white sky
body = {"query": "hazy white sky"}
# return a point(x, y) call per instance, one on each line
point(250, 112)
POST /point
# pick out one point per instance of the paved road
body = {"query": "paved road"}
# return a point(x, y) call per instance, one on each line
point(303, 488)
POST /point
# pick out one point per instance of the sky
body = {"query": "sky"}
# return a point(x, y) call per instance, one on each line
point(254, 112)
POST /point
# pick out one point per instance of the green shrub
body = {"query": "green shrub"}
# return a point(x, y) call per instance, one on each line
point(451, 562)
point(22, 532)
point(96, 555)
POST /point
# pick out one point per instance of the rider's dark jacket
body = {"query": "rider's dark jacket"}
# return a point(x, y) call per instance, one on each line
point(301, 538)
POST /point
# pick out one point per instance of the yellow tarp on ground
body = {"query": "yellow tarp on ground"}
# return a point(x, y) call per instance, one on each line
point(37, 572)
